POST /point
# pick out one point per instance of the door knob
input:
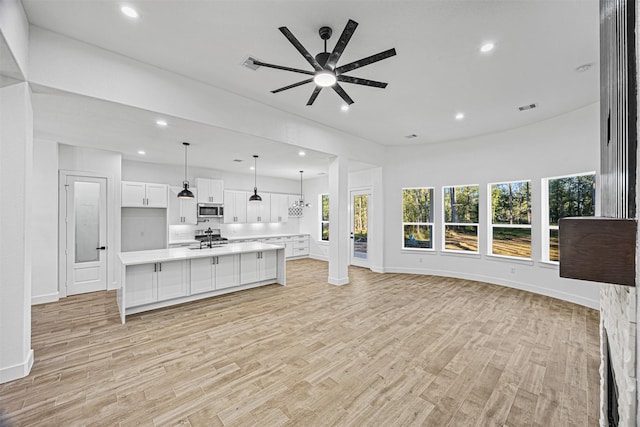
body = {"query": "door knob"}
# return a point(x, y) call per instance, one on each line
point(101, 248)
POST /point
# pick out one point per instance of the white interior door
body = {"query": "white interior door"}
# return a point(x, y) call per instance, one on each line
point(360, 228)
point(86, 234)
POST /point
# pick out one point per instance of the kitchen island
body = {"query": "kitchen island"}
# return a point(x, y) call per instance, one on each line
point(164, 277)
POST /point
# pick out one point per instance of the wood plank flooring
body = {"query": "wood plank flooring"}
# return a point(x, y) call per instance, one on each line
point(385, 350)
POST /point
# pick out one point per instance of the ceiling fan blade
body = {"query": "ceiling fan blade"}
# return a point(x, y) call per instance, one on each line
point(348, 31)
point(294, 41)
point(359, 81)
point(366, 61)
point(292, 86)
point(342, 94)
point(280, 67)
point(314, 95)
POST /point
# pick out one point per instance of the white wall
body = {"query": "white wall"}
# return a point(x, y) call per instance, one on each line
point(14, 27)
point(44, 254)
point(563, 145)
point(16, 154)
point(310, 222)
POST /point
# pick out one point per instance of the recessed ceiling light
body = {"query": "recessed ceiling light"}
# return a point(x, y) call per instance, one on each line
point(301, 153)
point(459, 116)
point(161, 122)
point(487, 47)
point(345, 108)
point(130, 12)
point(251, 168)
point(142, 152)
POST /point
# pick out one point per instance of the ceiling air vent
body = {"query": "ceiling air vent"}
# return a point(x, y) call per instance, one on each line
point(527, 107)
point(413, 135)
point(250, 63)
point(237, 160)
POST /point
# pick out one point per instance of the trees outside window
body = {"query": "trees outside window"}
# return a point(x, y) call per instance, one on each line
point(324, 217)
point(567, 196)
point(510, 219)
point(417, 218)
point(460, 210)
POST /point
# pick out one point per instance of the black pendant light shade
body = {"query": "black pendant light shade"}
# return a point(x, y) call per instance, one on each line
point(255, 197)
point(185, 193)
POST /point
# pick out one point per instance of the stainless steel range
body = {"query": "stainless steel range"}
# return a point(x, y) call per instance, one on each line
point(209, 238)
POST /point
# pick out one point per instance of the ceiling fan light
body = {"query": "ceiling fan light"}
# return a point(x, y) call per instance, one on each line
point(325, 79)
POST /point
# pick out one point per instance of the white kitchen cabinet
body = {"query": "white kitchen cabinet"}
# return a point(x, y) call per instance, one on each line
point(143, 195)
point(159, 281)
point(259, 211)
point(235, 206)
point(279, 207)
point(258, 266)
point(297, 246)
point(217, 272)
point(182, 211)
point(210, 190)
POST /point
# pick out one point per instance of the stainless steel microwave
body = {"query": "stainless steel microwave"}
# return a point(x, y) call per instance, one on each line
point(207, 210)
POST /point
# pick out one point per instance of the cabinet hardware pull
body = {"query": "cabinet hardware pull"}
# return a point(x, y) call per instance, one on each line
point(155, 267)
point(160, 266)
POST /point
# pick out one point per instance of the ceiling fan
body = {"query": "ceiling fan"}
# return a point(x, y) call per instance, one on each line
point(325, 71)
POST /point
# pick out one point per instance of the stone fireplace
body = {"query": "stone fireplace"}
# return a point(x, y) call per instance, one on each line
point(618, 342)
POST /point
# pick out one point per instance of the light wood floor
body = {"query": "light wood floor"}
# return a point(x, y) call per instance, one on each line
point(386, 350)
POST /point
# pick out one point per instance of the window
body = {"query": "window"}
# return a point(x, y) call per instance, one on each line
point(573, 195)
point(460, 218)
point(417, 218)
point(510, 219)
point(324, 217)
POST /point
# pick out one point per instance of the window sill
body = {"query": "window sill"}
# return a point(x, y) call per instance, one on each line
point(322, 242)
point(504, 258)
point(549, 264)
point(468, 254)
point(418, 250)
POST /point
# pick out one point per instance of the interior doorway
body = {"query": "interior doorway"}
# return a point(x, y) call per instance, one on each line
point(83, 233)
point(360, 228)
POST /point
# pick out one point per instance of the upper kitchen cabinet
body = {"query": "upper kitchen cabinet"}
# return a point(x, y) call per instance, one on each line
point(182, 211)
point(143, 195)
point(235, 206)
point(259, 211)
point(279, 207)
point(210, 190)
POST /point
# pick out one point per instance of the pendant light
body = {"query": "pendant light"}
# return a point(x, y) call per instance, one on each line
point(255, 197)
point(185, 193)
point(300, 202)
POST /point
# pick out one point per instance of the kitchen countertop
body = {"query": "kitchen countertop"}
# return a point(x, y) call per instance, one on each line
point(175, 254)
point(266, 236)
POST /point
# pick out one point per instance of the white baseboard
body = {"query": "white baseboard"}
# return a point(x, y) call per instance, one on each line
point(338, 282)
point(43, 299)
point(377, 269)
point(15, 372)
point(577, 299)
point(319, 257)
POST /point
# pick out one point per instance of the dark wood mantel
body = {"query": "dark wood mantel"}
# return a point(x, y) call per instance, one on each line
point(598, 249)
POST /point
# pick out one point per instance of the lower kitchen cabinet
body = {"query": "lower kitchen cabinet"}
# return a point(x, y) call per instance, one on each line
point(158, 281)
point(217, 272)
point(297, 246)
point(258, 266)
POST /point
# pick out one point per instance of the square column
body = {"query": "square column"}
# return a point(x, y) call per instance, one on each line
point(338, 221)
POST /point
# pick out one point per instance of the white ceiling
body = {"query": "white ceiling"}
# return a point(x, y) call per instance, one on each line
point(438, 70)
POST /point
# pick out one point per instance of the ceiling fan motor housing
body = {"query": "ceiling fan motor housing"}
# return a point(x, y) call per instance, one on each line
point(325, 33)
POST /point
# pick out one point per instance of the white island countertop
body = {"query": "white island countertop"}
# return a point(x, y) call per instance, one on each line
point(175, 254)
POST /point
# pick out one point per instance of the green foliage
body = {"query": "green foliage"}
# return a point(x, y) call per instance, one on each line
point(360, 214)
point(417, 236)
point(461, 204)
point(571, 196)
point(325, 207)
point(511, 203)
point(417, 205)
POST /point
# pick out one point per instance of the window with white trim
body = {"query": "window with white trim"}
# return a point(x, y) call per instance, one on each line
point(510, 219)
point(417, 218)
point(324, 217)
point(460, 218)
point(565, 196)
